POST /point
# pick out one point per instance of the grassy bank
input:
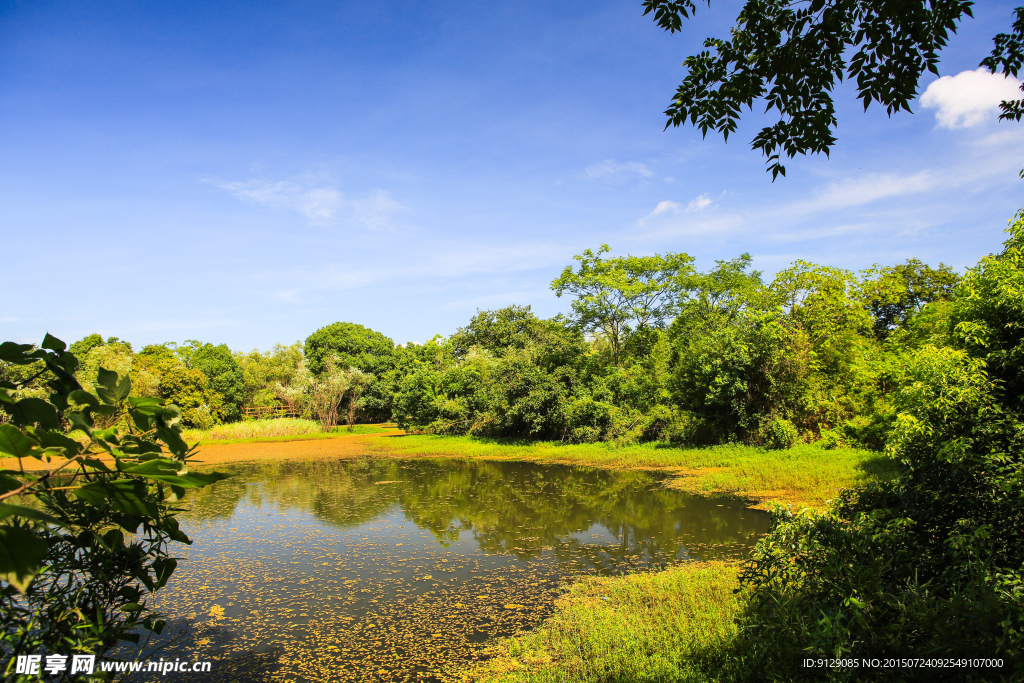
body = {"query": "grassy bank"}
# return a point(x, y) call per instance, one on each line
point(806, 475)
point(674, 625)
point(279, 429)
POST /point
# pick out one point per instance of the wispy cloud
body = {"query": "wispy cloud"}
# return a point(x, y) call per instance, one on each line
point(319, 203)
point(664, 207)
point(415, 259)
point(861, 190)
point(611, 169)
point(701, 202)
point(668, 207)
point(376, 211)
point(969, 98)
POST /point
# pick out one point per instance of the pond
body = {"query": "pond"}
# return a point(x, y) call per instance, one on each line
point(404, 570)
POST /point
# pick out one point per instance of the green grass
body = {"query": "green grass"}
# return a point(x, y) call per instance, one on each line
point(280, 429)
point(805, 475)
point(674, 625)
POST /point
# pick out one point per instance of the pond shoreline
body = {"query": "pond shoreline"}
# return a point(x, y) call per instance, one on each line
point(805, 476)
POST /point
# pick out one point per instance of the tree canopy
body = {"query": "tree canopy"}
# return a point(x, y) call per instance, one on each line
point(353, 345)
point(792, 54)
point(610, 293)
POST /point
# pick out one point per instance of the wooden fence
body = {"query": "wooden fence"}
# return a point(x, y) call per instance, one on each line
point(270, 412)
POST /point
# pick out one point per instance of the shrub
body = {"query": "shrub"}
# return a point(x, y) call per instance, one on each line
point(587, 420)
point(779, 434)
point(831, 439)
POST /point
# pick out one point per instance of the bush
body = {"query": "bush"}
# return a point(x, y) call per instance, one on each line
point(831, 439)
point(587, 420)
point(779, 434)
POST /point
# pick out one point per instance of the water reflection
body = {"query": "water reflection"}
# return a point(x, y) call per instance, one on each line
point(401, 570)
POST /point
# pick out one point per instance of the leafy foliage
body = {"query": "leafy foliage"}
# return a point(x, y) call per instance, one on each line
point(931, 563)
point(610, 293)
point(87, 525)
point(351, 345)
point(225, 376)
point(189, 389)
point(792, 55)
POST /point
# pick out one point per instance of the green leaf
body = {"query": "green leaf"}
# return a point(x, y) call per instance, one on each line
point(8, 483)
point(52, 343)
point(124, 495)
point(34, 411)
point(163, 568)
point(106, 378)
point(114, 538)
point(170, 525)
point(14, 442)
point(26, 513)
point(174, 442)
point(83, 398)
point(16, 353)
point(124, 387)
point(134, 445)
point(21, 556)
point(170, 472)
point(132, 607)
point(97, 464)
point(146, 404)
point(158, 466)
point(193, 479)
point(69, 362)
point(81, 421)
point(58, 401)
point(56, 440)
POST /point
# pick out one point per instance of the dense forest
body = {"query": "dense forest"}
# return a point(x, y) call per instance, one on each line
point(652, 350)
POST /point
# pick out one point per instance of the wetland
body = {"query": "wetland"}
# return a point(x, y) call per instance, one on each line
point(404, 570)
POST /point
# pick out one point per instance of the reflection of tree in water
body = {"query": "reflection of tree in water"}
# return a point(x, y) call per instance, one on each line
point(521, 508)
point(516, 508)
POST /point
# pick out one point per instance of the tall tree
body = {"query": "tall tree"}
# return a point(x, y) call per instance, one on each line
point(225, 374)
point(791, 54)
point(895, 294)
point(612, 292)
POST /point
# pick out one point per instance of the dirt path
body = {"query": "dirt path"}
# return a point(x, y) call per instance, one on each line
point(213, 454)
point(340, 447)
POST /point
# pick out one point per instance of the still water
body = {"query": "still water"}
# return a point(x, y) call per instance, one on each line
point(404, 570)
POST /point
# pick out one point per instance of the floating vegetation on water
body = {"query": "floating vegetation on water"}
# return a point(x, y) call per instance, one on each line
point(313, 572)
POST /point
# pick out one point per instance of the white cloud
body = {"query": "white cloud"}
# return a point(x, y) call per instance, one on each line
point(376, 210)
point(861, 190)
point(321, 205)
point(614, 169)
point(701, 202)
point(969, 98)
point(664, 207)
point(415, 257)
point(318, 204)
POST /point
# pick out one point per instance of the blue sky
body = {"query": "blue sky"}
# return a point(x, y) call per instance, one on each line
point(247, 172)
